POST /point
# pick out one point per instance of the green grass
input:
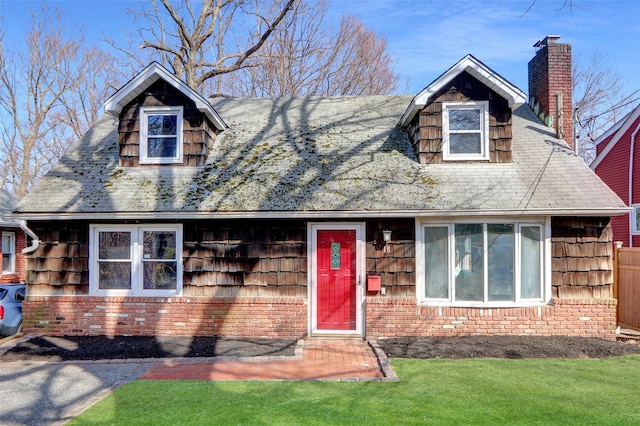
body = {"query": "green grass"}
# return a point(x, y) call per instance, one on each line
point(473, 391)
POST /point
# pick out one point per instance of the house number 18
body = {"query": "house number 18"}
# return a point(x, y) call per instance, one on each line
point(386, 249)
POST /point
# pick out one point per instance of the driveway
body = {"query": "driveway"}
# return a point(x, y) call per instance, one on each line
point(39, 393)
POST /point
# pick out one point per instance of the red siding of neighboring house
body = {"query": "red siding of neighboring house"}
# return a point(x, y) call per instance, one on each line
point(613, 169)
point(20, 271)
point(602, 145)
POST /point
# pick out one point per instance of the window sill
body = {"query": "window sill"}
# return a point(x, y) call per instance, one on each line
point(116, 293)
point(479, 305)
point(160, 162)
point(466, 159)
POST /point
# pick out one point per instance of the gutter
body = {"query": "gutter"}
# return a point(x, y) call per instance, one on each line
point(317, 214)
point(35, 241)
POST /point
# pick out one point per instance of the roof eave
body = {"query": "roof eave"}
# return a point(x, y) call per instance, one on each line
point(182, 215)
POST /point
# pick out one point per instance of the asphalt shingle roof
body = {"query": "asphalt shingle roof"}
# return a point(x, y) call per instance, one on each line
point(321, 154)
point(7, 204)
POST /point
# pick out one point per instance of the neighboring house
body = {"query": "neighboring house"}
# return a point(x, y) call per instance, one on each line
point(452, 212)
point(13, 241)
point(617, 163)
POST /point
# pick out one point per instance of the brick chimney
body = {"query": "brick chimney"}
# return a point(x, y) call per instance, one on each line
point(549, 79)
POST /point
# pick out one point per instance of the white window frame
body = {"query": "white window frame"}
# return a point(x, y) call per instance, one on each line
point(12, 252)
point(145, 112)
point(545, 256)
point(632, 218)
point(483, 107)
point(137, 270)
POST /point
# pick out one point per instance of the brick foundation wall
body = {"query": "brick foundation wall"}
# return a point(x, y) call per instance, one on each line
point(252, 317)
point(396, 317)
point(286, 317)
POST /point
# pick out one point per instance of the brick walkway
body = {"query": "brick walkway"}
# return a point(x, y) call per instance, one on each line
point(351, 360)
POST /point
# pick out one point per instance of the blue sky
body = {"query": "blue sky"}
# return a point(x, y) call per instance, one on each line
point(426, 37)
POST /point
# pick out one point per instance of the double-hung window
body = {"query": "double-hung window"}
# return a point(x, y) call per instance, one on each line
point(8, 253)
point(160, 135)
point(136, 260)
point(465, 130)
point(635, 219)
point(482, 264)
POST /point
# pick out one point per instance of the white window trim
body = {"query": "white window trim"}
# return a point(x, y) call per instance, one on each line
point(144, 124)
point(136, 260)
point(421, 224)
point(632, 218)
point(12, 261)
point(483, 106)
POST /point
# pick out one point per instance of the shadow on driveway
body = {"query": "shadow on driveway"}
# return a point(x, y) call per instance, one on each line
point(36, 393)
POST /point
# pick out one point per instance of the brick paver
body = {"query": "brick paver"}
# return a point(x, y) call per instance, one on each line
point(321, 360)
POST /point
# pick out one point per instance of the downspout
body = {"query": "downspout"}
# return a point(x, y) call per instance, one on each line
point(35, 241)
point(632, 214)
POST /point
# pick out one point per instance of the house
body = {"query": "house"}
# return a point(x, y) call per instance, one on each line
point(13, 241)
point(452, 212)
point(617, 163)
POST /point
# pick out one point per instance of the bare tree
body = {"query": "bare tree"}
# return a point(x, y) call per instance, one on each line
point(562, 4)
point(193, 38)
point(599, 100)
point(46, 90)
point(307, 56)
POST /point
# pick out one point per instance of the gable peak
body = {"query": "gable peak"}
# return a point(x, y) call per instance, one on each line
point(149, 75)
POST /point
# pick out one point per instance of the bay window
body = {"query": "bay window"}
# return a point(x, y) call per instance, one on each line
point(472, 264)
point(136, 260)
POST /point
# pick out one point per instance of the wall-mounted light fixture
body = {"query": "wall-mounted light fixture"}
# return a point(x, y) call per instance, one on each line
point(386, 235)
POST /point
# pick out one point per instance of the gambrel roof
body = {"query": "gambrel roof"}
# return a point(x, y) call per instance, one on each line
point(320, 157)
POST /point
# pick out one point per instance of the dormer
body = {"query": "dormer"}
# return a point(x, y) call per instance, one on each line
point(464, 115)
point(162, 121)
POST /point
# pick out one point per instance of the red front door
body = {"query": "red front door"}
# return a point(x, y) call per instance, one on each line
point(336, 293)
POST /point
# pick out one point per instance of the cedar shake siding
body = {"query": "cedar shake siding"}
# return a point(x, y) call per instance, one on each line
point(226, 258)
point(582, 265)
point(239, 259)
point(249, 278)
point(198, 132)
point(397, 268)
point(425, 130)
point(60, 265)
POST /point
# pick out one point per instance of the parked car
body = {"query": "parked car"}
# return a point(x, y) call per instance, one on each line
point(11, 297)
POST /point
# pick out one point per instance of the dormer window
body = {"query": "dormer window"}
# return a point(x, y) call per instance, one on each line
point(161, 135)
point(465, 130)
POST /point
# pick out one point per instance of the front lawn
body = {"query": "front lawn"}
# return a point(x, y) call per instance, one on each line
point(436, 391)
